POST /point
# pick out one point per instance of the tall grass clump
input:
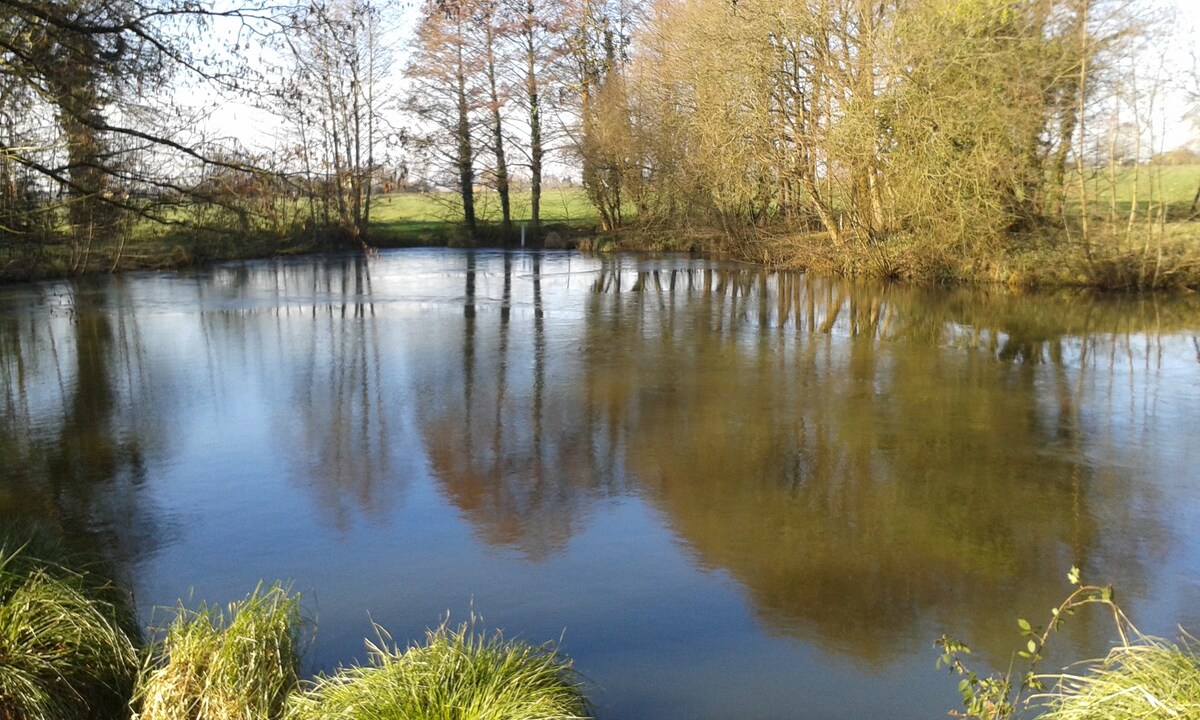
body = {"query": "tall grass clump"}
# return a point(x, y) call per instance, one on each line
point(64, 652)
point(458, 674)
point(1150, 678)
point(239, 663)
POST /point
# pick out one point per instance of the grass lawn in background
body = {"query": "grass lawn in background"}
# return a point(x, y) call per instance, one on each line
point(434, 218)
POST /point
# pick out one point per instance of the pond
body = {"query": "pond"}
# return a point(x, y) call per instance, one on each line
point(726, 492)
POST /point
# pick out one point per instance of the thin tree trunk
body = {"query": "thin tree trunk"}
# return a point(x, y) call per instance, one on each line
point(497, 131)
point(1082, 91)
point(466, 168)
point(535, 122)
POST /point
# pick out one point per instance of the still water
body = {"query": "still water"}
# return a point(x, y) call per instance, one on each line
point(727, 493)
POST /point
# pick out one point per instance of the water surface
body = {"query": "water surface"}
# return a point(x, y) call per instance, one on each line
point(729, 493)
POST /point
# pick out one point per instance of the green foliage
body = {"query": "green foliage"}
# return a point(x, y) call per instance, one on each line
point(65, 653)
point(995, 697)
point(236, 664)
point(458, 674)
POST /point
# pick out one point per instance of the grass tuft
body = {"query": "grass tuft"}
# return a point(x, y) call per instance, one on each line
point(1151, 678)
point(237, 664)
point(458, 674)
point(64, 654)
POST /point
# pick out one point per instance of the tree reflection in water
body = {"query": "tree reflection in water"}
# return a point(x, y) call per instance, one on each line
point(79, 417)
point(860, 459)
point(869, 463)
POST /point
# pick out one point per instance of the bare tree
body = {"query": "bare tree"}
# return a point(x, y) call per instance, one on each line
point(334, 100)
point(443, 99)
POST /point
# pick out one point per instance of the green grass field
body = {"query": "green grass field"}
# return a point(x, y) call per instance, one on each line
point(1111, 191)
point(433, 218)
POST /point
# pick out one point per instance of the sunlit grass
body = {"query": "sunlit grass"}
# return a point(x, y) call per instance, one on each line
point(436, 217)
point(458, 674)
point(64, 654)
point(1148, 679)
point(239, 663)
point(1111, 191)
point(567, 205)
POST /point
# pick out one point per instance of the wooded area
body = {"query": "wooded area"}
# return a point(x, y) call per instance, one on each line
point(905, 138)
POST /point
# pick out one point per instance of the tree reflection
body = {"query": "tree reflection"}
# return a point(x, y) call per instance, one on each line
point(342, 427)
point(857, 487)
point(489, 448)
point(74, 434)
point(861, 459)
point(317, 338)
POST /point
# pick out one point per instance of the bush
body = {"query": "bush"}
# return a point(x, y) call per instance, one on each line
point(457, 674)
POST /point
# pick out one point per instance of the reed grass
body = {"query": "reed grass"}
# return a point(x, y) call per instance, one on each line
point(239, 663)
point(64, 654)
point(458, 674)
point(1151, 678)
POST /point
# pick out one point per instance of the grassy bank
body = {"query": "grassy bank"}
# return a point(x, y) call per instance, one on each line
point(197, 236)
point(239, 662)
point(1151, 678)
point(68, 652)
point(1140, 232)
point(457, 674)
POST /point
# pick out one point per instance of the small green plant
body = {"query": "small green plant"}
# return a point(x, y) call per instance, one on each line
point(996, 696)
point(458, 674)
point(64, 654)
point(236, 664)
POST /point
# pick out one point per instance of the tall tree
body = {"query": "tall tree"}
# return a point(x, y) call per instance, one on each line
point(442, 98)
point(533, 25)
point(87, 93)
point(873, 120)
point(601, 31)
point(493, 25)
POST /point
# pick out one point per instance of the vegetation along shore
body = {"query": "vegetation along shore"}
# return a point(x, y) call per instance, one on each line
point(71, 649)
point(933, 141)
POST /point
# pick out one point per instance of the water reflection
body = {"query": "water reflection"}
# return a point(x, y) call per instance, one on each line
point(860, 460)
point(868, 465)
point(318, 336)
point(79, 416)
point(485, 427)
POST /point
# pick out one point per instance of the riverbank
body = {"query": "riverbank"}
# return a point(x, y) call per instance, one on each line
point(1110, 254)
point(399, 220)
point(71, 652)
point(1165, 258)
point(1167, 263)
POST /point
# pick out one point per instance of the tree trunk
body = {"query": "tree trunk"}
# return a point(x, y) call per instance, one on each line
point(466, 167)
point(535, 123)
point(497, 132)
